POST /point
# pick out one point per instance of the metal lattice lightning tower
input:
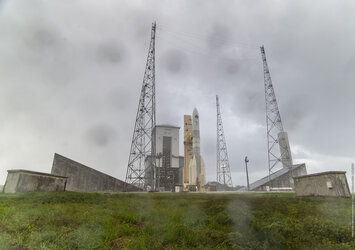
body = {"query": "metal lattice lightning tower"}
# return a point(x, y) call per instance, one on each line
point(223, 168)
point(142, 147)
point(273, 123)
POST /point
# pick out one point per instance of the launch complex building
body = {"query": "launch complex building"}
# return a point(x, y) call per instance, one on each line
point(171, 171)
point(155, 164)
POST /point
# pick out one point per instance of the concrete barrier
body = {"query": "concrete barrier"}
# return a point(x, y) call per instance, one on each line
point(29, 181)
point(86, 179)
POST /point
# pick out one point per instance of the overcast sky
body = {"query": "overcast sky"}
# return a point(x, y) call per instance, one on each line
point(71, 74)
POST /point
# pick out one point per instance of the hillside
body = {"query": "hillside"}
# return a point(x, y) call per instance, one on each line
point(72, 220)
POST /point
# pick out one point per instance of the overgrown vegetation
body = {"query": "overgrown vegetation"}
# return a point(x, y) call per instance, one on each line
point(71, 220)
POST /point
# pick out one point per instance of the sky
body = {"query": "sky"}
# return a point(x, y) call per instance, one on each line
point(71, 74)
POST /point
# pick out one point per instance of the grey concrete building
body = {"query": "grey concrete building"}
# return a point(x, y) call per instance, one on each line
point(280, 179)
point(168, 162)
point(325, 184)
point(86, 179)
point(29, 181)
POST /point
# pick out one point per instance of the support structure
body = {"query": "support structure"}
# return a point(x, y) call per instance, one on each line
point(277, 140)
point(223, 168)
point(142, 147)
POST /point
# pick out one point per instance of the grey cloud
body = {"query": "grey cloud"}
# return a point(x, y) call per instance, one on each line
point(109, 52)
point(175, 61)
point(218, 37)
point(229, 66)
point(100, 135)
point(42, 39)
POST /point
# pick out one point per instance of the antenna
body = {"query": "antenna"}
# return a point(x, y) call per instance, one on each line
point(143, 144)
point(223, 168)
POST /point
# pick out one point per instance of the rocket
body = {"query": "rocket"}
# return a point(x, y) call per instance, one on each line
point(196, 139)
point(197, 165)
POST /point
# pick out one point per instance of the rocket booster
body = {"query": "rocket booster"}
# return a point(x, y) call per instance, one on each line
point(196, 140)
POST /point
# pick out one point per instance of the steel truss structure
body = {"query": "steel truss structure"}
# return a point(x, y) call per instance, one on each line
point(223, 167)
point(273, 120)
point(143, 144)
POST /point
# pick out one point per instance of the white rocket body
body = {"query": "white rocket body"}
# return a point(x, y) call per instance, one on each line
point(197, 166)
point(196, 140)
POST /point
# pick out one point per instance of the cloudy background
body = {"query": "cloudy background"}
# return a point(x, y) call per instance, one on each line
point(71, 73)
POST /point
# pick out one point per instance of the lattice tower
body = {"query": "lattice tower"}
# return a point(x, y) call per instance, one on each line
point(223, 167)
point(273, 120)
point(142, 147)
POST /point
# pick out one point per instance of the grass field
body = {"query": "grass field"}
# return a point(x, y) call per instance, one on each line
point(72, 220)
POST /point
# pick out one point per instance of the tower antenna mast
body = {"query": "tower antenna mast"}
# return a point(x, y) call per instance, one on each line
point(274, 128)
point(223, 168)
point(143, 145)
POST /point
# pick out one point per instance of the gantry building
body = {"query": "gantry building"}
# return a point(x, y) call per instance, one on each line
point(167, 171)
point(187, 149)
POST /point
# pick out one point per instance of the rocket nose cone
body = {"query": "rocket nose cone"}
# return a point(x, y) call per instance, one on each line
point(195, 113)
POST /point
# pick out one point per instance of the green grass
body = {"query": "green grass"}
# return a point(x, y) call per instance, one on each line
point(71, 220)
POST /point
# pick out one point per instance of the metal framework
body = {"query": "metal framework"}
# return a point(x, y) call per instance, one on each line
point(223, 168)
point(273, 119)
point(143, 144)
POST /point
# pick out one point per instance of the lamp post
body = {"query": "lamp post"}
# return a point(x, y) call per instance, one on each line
point(246, 168)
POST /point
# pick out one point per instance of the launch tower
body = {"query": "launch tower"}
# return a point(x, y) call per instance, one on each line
point(275, 132)
point(223, 168)
point(142, 143)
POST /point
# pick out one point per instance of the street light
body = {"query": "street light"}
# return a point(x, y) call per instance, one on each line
point(246, 168)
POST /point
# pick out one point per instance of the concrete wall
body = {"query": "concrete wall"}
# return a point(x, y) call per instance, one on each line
point(285, 150)
point(30, 181)
point(285, 180)
point(85, 179)
point(326, 184)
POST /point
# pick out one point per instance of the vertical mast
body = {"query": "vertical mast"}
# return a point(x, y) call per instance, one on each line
point(223, 168)
point(143, 143)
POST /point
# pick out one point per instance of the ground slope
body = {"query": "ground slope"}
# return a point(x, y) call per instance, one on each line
point(71, 220)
